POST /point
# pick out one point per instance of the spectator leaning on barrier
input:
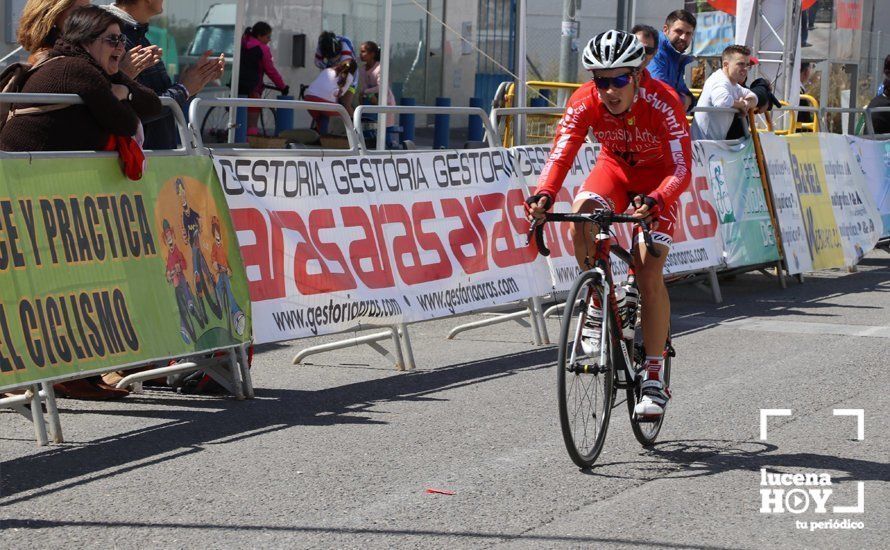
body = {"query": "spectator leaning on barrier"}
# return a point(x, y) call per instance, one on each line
point(648, 36)
point(724, 89)
point(670, 62)
point(881, 120)
point(160, 133)
point(331, 51)
point(85, 61)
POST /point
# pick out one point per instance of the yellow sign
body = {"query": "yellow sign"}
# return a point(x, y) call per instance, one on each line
point(823, 235)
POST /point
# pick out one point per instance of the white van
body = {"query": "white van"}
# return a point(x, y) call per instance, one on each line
point(216, 33)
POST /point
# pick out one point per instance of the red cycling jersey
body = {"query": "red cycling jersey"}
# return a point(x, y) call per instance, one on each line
point(651, 140)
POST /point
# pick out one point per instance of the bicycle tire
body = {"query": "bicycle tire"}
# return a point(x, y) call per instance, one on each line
point(647, 432)
point(215, 126)
point(569, 384)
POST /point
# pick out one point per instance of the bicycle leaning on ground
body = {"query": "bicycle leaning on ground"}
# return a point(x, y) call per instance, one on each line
point(587, 386)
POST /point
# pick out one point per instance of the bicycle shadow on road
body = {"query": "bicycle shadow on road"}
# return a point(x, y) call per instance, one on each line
point(691, 458)
point(272, 410)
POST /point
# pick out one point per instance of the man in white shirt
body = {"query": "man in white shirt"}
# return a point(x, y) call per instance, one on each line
point(724, 89)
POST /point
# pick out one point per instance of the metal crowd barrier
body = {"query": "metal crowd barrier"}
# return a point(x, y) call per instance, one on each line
point(403, 352)
point(490, 134)
point(185, 147)
point(869, 123)
point(231, 371)
point(201, 105)
point(554, 113)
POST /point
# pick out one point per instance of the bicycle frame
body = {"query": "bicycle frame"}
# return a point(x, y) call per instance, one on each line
point(602, 264)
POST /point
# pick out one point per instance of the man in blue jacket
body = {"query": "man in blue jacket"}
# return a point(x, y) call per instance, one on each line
point(670, 62)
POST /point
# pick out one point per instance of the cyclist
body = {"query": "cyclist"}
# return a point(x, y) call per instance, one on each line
point(645, 161)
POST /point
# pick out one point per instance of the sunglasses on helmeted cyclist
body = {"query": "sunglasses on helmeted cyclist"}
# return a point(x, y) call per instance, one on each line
point(616, 82)
point(115, 40)
point(650, 50)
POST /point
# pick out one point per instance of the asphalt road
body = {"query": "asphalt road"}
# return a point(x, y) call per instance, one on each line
point(339, 453)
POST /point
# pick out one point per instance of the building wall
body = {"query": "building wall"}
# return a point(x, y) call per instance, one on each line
point(459, 66)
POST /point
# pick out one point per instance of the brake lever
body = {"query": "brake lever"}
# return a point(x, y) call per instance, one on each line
point(537, 227)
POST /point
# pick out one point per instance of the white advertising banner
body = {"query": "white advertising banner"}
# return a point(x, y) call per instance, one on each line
point(857, 216)
point(530, 160)
point(874, 160)
point(334, 243)
point(787, 203)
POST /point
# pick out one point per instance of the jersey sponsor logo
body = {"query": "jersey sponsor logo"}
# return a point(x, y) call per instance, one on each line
point(675, 128)
point(634, 139)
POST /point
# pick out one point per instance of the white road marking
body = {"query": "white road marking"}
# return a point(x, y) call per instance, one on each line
point(800, 327)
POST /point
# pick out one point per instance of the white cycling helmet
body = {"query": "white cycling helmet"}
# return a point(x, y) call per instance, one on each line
point(613, 50)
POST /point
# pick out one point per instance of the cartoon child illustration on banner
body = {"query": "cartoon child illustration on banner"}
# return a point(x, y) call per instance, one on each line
point(198, 264)
point(220, 263)
point(185, 299)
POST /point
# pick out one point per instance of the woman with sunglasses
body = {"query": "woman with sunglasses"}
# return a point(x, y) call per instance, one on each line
point(645, 163)
point(84, 61)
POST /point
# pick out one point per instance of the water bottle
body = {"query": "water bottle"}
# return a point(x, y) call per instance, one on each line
point(620, 301)
point(631, 301)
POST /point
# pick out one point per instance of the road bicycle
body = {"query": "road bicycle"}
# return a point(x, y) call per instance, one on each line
point(587, 386)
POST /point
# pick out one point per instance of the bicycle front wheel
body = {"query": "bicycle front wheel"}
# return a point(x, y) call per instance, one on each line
point(584, 383)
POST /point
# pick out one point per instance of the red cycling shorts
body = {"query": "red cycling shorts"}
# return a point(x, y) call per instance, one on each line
point(613, 183)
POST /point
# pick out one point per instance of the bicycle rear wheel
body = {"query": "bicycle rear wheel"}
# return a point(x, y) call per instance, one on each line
point(646, 432)
point(584, 384)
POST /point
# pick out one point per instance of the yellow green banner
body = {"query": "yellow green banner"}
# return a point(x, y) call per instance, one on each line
point(807, 169)
point(99, 272)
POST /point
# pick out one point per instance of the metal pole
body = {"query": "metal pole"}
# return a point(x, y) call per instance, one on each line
point(823, 88)
point(236, 65)
point(631, 14)
point(521, 68)
point(568, 67)
point(383, 92)
point(37, 416)
point(791, 39)
point(854, 86)
point(55, 424)
point(621, 15)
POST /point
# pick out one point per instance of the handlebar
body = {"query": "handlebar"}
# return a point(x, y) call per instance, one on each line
point(603, 218)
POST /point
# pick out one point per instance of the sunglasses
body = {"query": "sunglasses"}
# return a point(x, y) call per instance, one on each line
point(115, 40)
point(650, 50)
point(617, 82)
